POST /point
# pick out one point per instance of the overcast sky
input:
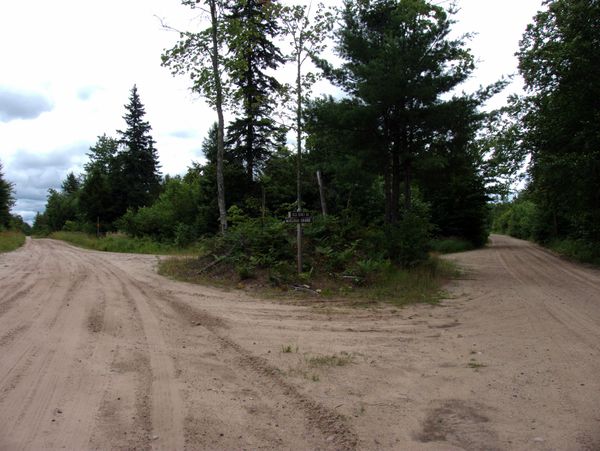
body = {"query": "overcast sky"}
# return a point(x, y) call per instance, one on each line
point(68, 67)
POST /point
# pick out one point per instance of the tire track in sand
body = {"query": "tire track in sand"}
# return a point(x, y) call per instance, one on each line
point(330, 423)
point(166, 405)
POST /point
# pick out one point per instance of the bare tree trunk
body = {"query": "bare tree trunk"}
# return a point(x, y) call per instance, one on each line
point(395, 194)
point(407, 189)
point(387, 187)
point(299, 161)
point(407, 166)
point(221, 121)
point(322, 194)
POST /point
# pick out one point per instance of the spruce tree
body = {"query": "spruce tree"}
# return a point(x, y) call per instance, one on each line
point(139, 175)
point(251, 31)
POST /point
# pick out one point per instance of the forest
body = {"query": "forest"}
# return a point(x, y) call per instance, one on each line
point(401, 163)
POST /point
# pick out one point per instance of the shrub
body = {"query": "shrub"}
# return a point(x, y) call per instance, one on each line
point(252, 242)
point(408, 240)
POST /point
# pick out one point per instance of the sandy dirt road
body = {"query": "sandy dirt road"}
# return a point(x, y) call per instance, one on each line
point(99, 352)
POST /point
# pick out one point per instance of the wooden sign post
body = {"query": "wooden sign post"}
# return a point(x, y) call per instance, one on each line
point(299, 218)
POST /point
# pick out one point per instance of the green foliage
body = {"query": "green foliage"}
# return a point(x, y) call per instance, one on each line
point(401, 286)
point(17, 224)
point(450, 245)
point(409, 239)
point(136, 182)
point(120, 175)
point(6, 200)
point(253, 56)
point(519, 219)
point(399, 62)
point(99, 199)
point(171, 218)
point(193, 54)
point(252, 243)
point(577, 249)
point(11, 240)
point(117, 242)
point(559, 59)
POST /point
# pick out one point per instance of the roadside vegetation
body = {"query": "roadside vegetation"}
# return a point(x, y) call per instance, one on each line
point(120, 242)
point(521, 218)
point(10, 240)
point(552, 131)
point(12, 227)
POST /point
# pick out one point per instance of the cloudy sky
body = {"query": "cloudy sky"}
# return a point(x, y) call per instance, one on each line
point(68, 67)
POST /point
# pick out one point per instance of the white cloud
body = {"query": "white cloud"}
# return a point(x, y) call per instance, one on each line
point(21, 105)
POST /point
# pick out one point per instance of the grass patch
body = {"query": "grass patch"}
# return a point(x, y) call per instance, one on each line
point(421, 284)
point(342, 359)
point(118, 242)
point(450, 245)
point(10, 240)
point(579, 250)
point(393, 285)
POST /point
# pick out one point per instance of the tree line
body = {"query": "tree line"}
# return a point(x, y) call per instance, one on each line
point(402, 156)
point(554, 128)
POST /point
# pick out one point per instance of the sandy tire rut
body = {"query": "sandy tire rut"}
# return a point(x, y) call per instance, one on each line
point(99, 352)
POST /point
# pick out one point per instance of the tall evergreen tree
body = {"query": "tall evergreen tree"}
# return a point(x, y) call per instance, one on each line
point(6, 200)
point(252, 27)
point(399, 62)
point(139, 169)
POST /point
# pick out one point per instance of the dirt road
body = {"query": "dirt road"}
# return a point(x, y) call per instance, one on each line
point(99, 352)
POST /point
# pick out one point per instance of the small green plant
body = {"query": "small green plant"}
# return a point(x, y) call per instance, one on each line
point(475, 364)
point(315, 377)
point(286, 349)
point(342, 359)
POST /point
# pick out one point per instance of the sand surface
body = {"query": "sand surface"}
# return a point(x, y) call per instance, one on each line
point(97, 351)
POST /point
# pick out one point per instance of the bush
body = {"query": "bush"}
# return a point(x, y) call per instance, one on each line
point(172, 218)
point(578, 249)
point(408, 240)
point(252, 243)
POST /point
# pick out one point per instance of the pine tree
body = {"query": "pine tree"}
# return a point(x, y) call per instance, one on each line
point(400, 62)
point(71, 184)
point(252, 28)
point(138, 166)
